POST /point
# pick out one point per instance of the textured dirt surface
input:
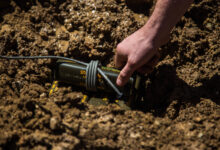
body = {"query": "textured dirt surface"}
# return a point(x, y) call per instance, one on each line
point(181, 103)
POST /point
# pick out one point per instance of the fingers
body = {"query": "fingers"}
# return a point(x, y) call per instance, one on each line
point(120, 58)
point(130, 67)
point(125, 74)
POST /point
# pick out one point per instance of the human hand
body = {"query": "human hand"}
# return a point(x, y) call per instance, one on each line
point(139, 51)
point(136, 53)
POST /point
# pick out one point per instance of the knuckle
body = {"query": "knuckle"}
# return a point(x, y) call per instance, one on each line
point(123, 74)
point(119, 47)
point(132, 62)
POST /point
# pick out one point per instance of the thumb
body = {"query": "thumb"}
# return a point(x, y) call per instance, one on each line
point(125, 74)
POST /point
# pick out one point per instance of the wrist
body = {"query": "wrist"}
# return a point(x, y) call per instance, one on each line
point(154, 33)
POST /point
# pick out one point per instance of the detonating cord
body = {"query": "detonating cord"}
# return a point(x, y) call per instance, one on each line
point(42, 57)
point(91, 69)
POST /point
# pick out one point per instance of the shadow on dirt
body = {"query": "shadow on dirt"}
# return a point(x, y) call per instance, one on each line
point(165, 86)
point(27, 4)
point(5, 8)
point(140, 6)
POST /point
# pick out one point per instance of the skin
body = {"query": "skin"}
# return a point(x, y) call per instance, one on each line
point(139, 51)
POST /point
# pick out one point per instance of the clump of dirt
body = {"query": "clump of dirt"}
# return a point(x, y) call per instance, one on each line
point(180, 108)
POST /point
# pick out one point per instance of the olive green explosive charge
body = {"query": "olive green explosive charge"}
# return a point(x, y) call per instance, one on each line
point(73, 73)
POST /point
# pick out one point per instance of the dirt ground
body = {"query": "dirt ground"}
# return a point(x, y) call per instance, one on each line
point(182, 95)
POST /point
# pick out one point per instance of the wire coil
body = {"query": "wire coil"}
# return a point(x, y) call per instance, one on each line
point(91, 76)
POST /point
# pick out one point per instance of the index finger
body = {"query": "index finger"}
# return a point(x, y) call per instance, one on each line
point(125, 74)
point(120, 60)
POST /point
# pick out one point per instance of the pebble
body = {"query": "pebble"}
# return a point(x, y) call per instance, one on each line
point(200, 135)
point(82, 132)
point(43, 95)
point(134, 135)
point(198, 119)
point(54, 123)
point(209, 26)
point(44, 52)
point(156, 122)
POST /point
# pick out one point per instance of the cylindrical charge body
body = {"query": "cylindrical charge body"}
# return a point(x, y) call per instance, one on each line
point(75, 74)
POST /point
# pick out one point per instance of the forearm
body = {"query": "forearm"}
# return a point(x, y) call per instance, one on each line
point(165, 16)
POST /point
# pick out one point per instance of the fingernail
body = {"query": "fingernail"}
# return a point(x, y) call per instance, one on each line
point(119, 82)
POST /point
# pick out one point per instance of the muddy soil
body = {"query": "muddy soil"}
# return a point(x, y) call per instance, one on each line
point(180, 108)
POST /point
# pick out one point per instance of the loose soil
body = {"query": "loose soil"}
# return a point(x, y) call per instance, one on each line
point(180, 108)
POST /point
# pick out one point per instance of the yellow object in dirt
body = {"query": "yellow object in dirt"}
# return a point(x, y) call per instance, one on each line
point(54, 87)
point(85, 97)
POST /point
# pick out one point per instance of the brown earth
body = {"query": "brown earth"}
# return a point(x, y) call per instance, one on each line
point(181, 105)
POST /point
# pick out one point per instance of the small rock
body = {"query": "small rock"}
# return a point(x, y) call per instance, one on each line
point(43, 34)
point(44, 52)
point(134, 135)
point(87, 114)
point(68, 24)
point(63, 36)
point(209, 26)
point(43, 95)
point(198, 119)
point(54, 123)
point(105, 118)
point(82, 132)
point(200, 135)
point(157, 122)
